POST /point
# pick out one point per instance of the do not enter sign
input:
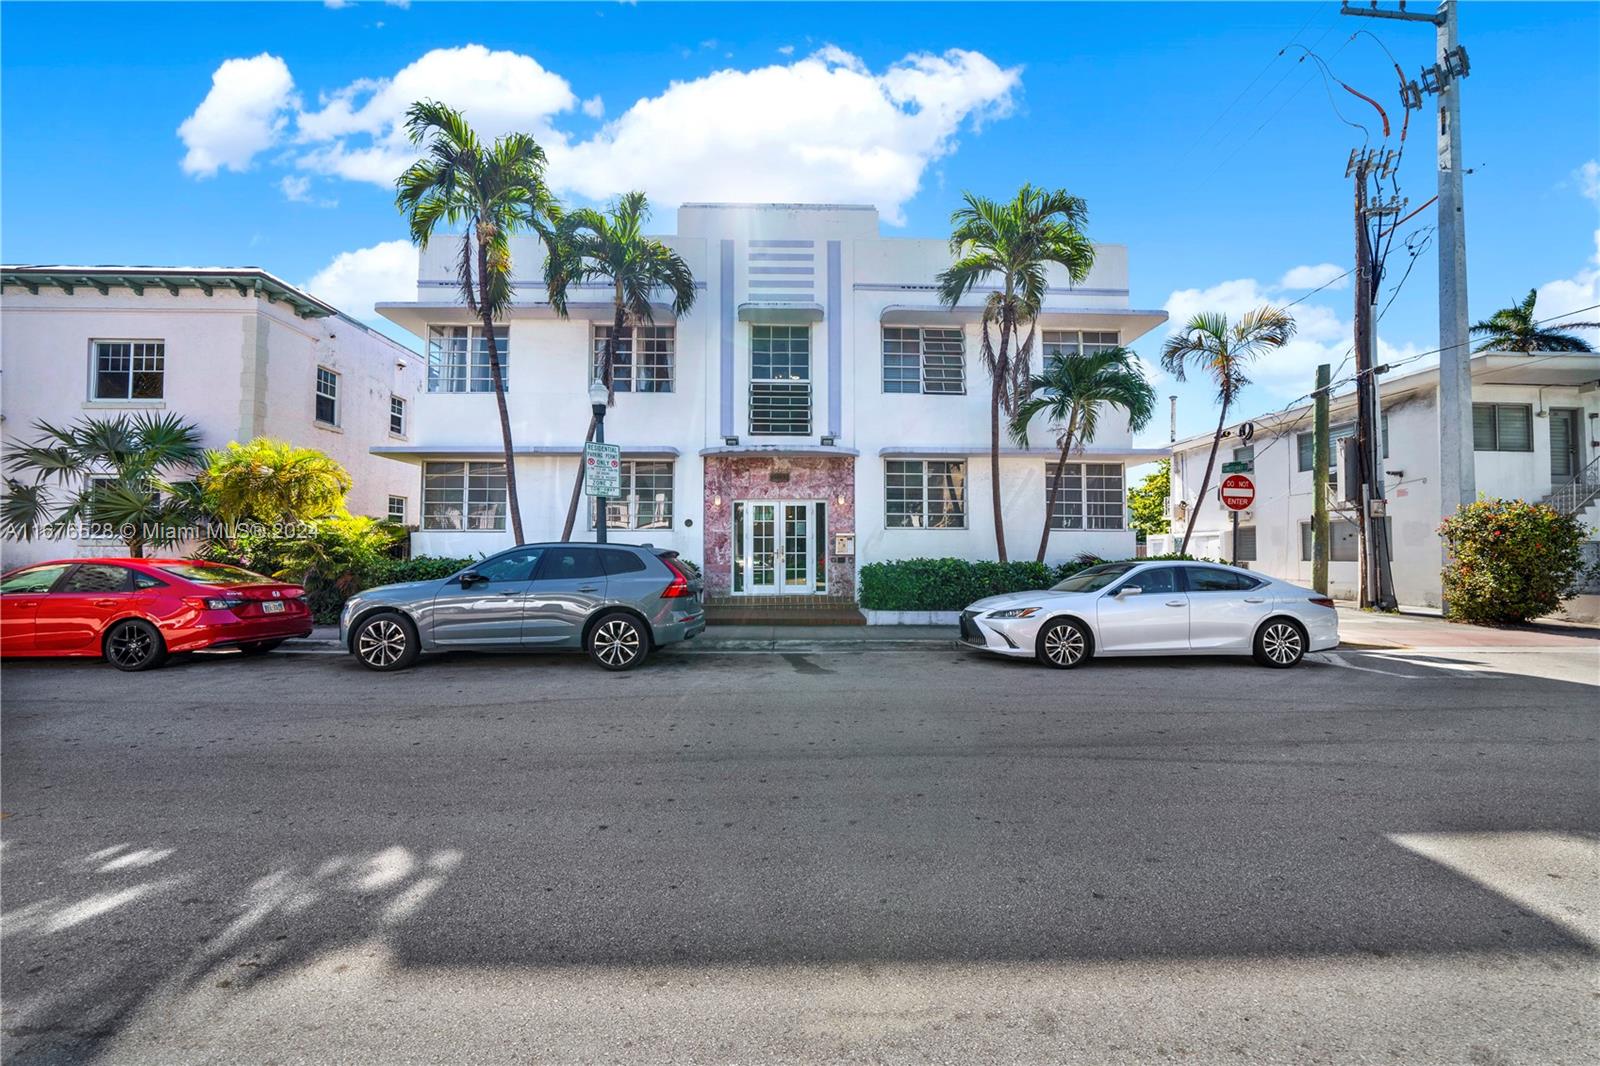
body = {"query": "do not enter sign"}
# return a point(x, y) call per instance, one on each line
point(1238, 492)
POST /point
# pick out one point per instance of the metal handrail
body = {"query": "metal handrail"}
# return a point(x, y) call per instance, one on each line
point(1576, 494)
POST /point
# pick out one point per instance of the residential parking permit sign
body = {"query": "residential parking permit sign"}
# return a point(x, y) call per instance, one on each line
point(602, 470)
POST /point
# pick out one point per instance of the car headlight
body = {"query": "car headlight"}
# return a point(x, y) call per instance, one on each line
point(1014, 612)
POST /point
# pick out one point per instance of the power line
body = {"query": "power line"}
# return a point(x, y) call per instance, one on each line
point(1259, 74)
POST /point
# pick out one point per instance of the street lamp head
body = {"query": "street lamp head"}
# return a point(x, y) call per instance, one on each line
point(598, 394)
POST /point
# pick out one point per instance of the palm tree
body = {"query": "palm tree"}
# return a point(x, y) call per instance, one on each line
point(491, 192)
point(272, 481)
point(1223, 352)
point(1071, 393)
point(1012, 242)
point(112, 474)
point(1514, 329)
point(611, 245)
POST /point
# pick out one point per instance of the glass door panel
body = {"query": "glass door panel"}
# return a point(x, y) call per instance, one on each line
point(797, 547)
point(763, 553)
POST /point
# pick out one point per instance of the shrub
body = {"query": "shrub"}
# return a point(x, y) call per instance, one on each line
point(337, 559)
point(952, 584)
point(1510, 561)
point(417, 568)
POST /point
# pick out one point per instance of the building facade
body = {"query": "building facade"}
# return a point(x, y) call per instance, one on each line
point(237, 352)
point(815, 410)
point(1536, 431)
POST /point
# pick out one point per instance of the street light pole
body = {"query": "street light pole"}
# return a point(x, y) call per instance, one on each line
point(598, 394)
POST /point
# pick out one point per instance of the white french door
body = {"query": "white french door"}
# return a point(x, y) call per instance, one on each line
point(779, 542)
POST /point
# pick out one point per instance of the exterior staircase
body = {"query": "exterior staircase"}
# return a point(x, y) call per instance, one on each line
point(1580, 496)
point(783, 611)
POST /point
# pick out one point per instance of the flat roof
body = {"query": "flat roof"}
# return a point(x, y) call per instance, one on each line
point(245, 280)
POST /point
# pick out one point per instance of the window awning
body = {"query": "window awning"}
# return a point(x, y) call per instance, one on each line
point(1092, 454)
point(418, 452)
point(780, 314)
point(1131, 323)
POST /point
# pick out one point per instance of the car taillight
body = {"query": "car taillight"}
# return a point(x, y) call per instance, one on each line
point(216, 603)
point(679, 585)
point(1322, 601)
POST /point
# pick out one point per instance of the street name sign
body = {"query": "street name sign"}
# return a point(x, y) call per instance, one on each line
point(1238, 492)
point(602, 470)
point(1241, 466)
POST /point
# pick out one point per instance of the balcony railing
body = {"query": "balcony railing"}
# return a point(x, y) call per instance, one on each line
point(780, 408)
point(1576, 494)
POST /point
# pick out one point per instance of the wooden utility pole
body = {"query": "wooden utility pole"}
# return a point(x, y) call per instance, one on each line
point(1373, 554)
point(1319, 482)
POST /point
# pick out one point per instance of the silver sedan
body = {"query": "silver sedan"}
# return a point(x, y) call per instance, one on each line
point(1155, 608)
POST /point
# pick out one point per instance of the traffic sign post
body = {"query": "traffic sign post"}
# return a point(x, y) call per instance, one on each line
point(602, 470)
point(1238, 492)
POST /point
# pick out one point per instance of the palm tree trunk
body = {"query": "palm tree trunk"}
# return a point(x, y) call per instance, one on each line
point(512, 503)
point(1002, 382)
point(1205, 482)
point(577, 487)
point(1055, 484)
point(608, 358)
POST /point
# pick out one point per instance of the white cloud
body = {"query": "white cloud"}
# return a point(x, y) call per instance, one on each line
point(335, 5)
point(1568, 296)
point(1312, 277)
point(821, 128)
point(1588, 179)
point(354, 281)
point(296, 188)
point(786, 49)
point(245, 112)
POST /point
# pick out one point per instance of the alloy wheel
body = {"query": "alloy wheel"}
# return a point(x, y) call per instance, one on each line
point(616, 643)
point(1064, 645)
point(1281, 642)
point(130, 645)
point(382, 642)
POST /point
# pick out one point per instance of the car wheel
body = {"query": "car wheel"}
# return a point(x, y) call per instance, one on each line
point(1063, 644)
point(1280, 644)
point(386, 641)
point(618, 641)
point(134, 645)
point(259, 647)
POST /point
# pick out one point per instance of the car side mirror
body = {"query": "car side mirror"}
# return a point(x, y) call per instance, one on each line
point(471, 578)
point(1128, 590)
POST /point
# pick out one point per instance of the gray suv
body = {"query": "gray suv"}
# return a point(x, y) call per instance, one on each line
point(615, 601)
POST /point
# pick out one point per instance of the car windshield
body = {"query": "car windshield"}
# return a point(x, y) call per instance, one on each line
point(214, 574)
point(1093, 579)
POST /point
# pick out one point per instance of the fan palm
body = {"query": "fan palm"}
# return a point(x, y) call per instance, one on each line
point(1013, 243)
point(611, 245)
point(1514, 329)
point(105, 474)
point(272, 481)
point(1223, 352)
point(1071, 393)
point(491, 192)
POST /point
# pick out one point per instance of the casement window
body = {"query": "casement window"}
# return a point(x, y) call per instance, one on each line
point(925, 494)
point(397, 416)
point(129, 370)
point(327, 396)
point(923, 361)
point(1090, 496)
point(1305, 447)
point(458, 359)
point(464, 496)
point(643, 361)
point(1343, 540)
point(397, 509)
point(1059, 342)
point(646, 497)
point(1502, 427)
point(780, 380)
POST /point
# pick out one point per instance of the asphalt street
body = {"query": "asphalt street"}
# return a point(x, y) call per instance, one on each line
point(918, 855)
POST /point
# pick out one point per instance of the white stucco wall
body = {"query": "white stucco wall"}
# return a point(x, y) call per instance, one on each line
point(235, 366)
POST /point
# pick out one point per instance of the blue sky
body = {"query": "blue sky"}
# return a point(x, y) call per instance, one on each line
point(1218, 161)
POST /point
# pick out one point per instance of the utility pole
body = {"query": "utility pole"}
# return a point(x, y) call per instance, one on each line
point(1373, 556)
point(1319, 482)
point(1457, 477)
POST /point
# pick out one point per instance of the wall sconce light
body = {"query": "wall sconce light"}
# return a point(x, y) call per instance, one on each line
point(731, 442)
point(716, 501)
point(828, 442)
point(841, 501)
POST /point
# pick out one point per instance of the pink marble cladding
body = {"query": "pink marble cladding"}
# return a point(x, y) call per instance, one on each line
point(826, 478)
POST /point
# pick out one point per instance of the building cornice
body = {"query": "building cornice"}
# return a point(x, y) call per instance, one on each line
point(244, 281)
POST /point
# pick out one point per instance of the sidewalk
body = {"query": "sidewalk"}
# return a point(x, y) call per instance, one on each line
point(1357, 629)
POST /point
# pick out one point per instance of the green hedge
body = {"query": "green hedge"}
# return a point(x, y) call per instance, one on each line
point(952, 584)
point(420, 568)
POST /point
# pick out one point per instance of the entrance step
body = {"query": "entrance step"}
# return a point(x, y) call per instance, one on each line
point(783, 611)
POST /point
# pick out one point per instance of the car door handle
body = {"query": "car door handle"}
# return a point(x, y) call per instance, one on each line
point(507, 592)
point(1177, 603)
point(588, 588)
point(1255, 599)
point(105, 603)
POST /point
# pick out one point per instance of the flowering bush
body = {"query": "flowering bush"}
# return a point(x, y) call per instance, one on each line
point(1510, 561)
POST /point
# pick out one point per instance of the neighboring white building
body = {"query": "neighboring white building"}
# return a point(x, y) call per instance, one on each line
point(234, 350)
point(817, 409)
point(1536, 428)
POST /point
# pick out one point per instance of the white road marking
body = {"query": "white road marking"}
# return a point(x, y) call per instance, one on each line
point(1333, 658)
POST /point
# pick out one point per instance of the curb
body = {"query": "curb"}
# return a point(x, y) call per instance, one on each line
point(777, 645)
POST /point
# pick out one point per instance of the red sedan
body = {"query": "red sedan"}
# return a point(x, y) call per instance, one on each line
point(135, 612)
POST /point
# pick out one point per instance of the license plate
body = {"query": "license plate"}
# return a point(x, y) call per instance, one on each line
point(272, 607)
